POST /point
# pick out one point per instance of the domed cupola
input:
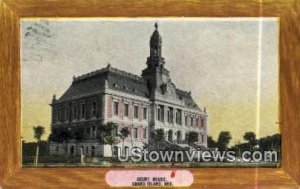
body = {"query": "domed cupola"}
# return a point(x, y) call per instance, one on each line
point(155, 43)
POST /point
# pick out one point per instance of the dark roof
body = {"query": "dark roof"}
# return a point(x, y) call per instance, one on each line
point(128, 83)
point(187, 98)
point(82, 88)
point(94, 82)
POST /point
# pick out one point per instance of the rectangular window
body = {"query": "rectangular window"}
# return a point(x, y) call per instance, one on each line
point(135, 111)
point(144, 133)
point(145, 113)
point(160, 113)
point(126, 110)
point(178, 117)
point(55, 115)
point(170, 115)
point(82, 111)
point(58, 115)
point(67, 114)
point(186, 120)
point(202, 122)
point(116, 108)
point(135, 133)
point(192, 121)
point(94, 105)
point(88, 131)
point(94, 131)
point(74, 111)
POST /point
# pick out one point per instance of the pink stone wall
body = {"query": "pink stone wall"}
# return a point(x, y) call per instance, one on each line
point(140, 112)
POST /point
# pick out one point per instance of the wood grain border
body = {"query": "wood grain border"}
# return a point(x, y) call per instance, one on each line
point(11, 174)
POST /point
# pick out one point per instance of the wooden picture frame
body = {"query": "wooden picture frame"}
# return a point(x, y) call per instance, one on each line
point(11, 11)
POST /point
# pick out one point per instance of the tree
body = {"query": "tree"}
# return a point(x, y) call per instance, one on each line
point(250, 137)
point(106, 135)
point(270, 143)
point(192, 137)
point(223, 140)
point(158, 136)
point(39, 131)
point(211, 143)
point(124, 134)
point(62, 135)
point(79, 133)
point(65, 135)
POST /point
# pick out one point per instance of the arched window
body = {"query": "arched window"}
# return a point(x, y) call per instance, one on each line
point(72, 151)
point(93, 151)
point(87, 150)
point(115, 151)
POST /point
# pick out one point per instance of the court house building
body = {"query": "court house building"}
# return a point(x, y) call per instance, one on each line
point(141, 103)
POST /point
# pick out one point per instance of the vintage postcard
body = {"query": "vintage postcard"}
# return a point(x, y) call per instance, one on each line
point(172, 92)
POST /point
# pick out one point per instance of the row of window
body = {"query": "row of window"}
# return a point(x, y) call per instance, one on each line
point(134, 132)
point(193, 122)
point(201, 137)
point(170, 136)
point(72, 150)
point(189, 120)
point(170, 115)
point(73, 110)
point(126, 110)
point(92, 132)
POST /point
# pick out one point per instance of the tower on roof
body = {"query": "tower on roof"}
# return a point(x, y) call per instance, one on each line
point(156, 25)
point(155, 74)
point(155, 43)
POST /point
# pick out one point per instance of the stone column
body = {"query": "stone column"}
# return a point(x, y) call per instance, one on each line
point(174, 116)
point(151, 120)
point(165, 114)
point(153, 115)
point(182, 118)
point(104, 110)
point(166, 135)
point(91, 132)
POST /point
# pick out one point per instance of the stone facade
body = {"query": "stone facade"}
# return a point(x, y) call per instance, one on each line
point(140, 103)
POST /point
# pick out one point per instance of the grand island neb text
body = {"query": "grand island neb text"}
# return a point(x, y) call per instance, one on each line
point(143, 104)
